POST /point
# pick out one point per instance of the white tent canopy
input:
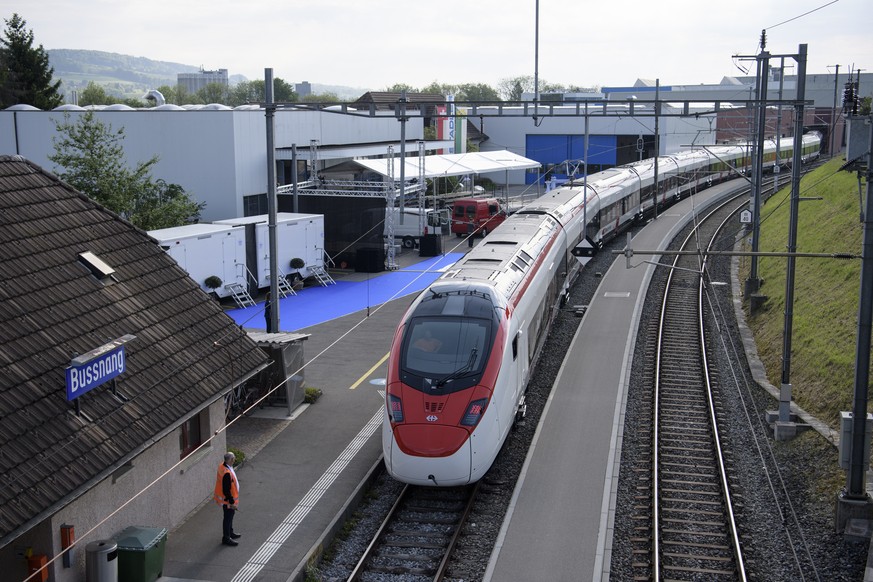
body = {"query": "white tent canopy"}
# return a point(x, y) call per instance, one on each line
point(439, 166)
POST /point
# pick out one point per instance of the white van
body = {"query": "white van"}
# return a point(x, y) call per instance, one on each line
point(410, 231)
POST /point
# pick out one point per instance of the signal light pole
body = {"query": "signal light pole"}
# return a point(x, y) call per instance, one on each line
point(853, 502)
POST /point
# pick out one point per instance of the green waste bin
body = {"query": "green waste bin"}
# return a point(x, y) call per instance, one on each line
point(141, 553)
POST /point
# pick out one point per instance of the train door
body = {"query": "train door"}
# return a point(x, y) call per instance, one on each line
point(520, 371)
point(520, 354)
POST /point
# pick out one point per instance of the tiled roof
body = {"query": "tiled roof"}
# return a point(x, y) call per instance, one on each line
point(186, 354)
point(387, 100)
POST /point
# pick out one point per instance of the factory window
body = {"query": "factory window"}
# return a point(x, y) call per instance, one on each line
point(254, 205)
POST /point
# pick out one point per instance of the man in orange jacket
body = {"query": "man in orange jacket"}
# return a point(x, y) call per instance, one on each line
point(226, 494)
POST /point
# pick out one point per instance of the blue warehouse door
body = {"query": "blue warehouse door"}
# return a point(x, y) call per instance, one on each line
point(552, 151)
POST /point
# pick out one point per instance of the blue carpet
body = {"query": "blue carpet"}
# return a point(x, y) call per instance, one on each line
point(314, 305)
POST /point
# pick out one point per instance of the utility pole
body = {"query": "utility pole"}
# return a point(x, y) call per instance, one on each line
point(753, 283)
point(834, 111)
point(272, 203)
point(402, 118)
point(785, 428)
point(657, 139)
point(585, 183)
point(778, 168)
point(536, 62)
point(294, 174)
point(853, 502)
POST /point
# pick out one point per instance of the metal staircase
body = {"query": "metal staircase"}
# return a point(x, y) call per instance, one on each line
point(240, 294)
point(285, 288)
point(323, 278)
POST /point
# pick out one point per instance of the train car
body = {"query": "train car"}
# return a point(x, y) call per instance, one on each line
point(463, 353)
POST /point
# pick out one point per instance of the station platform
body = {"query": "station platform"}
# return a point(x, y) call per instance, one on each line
point(301, 469)
point(561, 513)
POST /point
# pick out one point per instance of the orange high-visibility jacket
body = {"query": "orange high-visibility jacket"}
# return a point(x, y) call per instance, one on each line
point(225, 495)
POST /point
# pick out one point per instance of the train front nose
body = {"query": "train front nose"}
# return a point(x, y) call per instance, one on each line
point(441, 454)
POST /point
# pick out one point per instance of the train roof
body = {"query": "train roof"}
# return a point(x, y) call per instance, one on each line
point(508, 253)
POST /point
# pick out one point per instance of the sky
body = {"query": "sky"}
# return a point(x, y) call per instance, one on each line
point(374, 44)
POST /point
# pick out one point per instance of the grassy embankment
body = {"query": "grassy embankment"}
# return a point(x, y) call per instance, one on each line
point(826, 291)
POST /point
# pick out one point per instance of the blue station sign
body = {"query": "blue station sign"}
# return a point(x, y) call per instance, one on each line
point(100, 365)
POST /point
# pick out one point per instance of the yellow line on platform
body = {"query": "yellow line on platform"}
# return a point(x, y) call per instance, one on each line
point(370, 371)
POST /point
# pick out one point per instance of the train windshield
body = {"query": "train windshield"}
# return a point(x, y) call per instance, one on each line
point(442, 355)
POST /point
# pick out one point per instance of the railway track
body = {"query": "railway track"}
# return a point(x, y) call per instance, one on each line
point(417, 536)
point(692, 529)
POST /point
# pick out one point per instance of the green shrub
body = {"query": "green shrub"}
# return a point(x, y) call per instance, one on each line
point(311, 395)
point(239, 456)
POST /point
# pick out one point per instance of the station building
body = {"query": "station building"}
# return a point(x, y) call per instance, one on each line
point(136, 437)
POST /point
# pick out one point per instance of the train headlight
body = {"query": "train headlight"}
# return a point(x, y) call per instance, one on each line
point(395, 408)
point(474, 412)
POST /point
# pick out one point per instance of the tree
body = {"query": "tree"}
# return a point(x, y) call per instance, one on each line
point(283, 92)
point(183, 97)
point(477, 92)
point(91, 159)
point(400, 88)
point(169, 94)
point(213, 93)
point(94, 94)
point(440, 89)
point(24, 71)
point(253, 92)
point(512, 88)
point(162, 205)
point(245, 92)
point(326, 97)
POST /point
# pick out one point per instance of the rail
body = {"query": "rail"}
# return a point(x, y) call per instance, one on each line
point(694, 526)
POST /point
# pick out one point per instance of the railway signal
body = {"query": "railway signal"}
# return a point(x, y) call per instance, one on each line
point(584, 250)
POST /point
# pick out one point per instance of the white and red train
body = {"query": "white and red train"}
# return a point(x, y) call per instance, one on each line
point(464, 351)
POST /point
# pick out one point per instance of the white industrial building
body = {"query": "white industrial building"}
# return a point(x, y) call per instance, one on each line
point(217, 154)
point(193, 82)
point(614, 138)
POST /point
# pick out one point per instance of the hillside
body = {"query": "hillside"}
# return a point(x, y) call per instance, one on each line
point(128, 76)
point(826, 291)
point(120, 75)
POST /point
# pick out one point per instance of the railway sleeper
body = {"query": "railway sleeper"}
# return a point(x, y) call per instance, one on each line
point(709, 571)
point(419, 533)
point(710, 547)
point(686, 453)
point(435, 506)
point(429, 519)
point(682, 532)
point(679, 556)
point(418, 544)
point(689, 504)
point(410, 557)
point(674, 513)
point(690, 488)
point(398, 570)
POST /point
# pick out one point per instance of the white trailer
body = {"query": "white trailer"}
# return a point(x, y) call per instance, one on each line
point(206, 250)
point(297, 236)
point(409, 228)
